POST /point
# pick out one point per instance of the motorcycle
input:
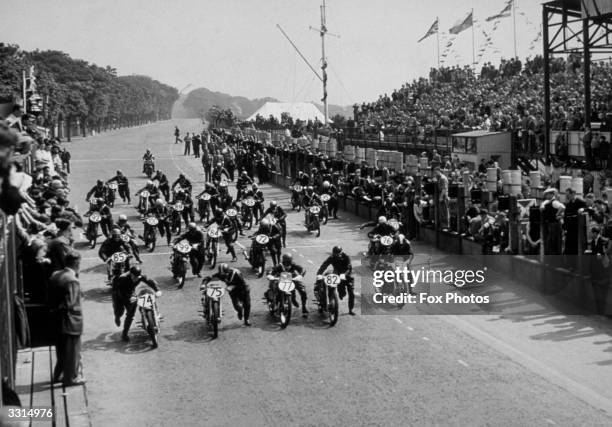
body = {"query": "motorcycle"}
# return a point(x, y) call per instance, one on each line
point(247, 212)
point(326, 295)
point(380, 246)
point(118, 263)
point(204, 206)
point(146, 301)
point(149, 233)
point(175, 218)
point(211, 304)
point(92, 228)
point(144, 203)
point(257, 255)
point(111, 195)
point(149, 168)
point(324, 214)
point(278, 297)
point(180, 261)
point(296, 192)
point(312, 219)
point(212, 246)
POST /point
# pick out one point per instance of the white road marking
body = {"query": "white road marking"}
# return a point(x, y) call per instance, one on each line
point(302, 255)
point(176, 164)
point(294, 250)
point(425, 338)
point(461, 362)
point(309, 261)
point(410, 328)
point(549, 421)
point(398, 320)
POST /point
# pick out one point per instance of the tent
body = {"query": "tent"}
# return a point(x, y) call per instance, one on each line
point(297, 110)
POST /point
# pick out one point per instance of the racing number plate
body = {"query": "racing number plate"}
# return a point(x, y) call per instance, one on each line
point(262, 239)
point(95, 217)
point(152, 221)
point(146, 301)
point(332, 280)
point(112, 186)
point(206, 196)
point(386, 240)
point(297, 188)
point(393, 223)
point(231, 212)
point(214, 232)
point(183, 247)
point(145, 193)
point(286, 285)
point(325, 197)
point(315, 210)
point(125, 238)
point(249, 202)
point(178, 207)
point(118, 257)
point(215, 292)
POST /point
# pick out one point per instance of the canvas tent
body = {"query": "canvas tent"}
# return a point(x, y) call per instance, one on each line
point(297, 110)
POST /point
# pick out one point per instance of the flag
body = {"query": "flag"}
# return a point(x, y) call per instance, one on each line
point(506, 12)
point(462, 25)
point(432, 30)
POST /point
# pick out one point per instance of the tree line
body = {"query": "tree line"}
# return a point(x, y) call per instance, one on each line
point(75, 89)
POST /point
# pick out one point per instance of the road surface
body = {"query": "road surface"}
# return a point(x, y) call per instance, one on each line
point(530, 366)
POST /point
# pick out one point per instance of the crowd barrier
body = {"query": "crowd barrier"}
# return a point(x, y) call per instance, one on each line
point(570, 281)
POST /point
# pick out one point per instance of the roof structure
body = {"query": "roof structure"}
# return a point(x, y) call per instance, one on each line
point(297, 110)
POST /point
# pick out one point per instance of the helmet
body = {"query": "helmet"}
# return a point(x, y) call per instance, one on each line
point(325, 184)
point(287, 259)
point(100, 182)
point(382, 219)
point(310, 188)
point(337, 250)
point(223, 268)
point(254, 186)
point(115, 232)
point(273, 203)
point(401, 237)
point(181, 176)
point(159, 203)
point(122, 218)
point(219, 164)
point(135, 270)
point(118, 172)
point(243, 173)
point(149, 183)
point(265, 222)
point(192, 226)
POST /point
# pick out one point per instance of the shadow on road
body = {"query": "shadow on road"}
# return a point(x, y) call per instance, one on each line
point(111, 341)
point(98, 294)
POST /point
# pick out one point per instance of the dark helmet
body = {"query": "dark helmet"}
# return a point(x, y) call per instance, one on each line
point(135, 270)
point(287, 259)
point(337, 250)
point(223, 268)
point(192, 226)
point(181, 176)
point(100, 182)
point(115, 232)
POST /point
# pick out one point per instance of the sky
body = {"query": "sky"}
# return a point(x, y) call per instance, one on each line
point(234, 46)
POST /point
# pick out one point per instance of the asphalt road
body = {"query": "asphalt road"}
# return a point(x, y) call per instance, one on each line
point(529, 365)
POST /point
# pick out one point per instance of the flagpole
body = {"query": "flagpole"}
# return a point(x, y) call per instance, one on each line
point(514, 19)
point(438, 39)
point(473, 54)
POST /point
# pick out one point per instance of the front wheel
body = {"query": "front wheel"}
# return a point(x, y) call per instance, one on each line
point(332, 307)
point(151, 327)
point(213, 255)
point(285, 310)
point(215, 318)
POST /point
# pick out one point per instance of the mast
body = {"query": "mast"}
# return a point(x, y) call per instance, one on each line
point(323, 31)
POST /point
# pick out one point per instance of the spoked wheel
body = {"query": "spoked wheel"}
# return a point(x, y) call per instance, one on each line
point(318, 225)
point(332, 308)
point(285, 310)
point(262, 267)
point(151, 329)
point(213, 255)
point(151, 244)
point(248, 222)
point(215, 318)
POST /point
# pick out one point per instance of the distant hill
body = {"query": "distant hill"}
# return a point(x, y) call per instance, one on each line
point(199, 101)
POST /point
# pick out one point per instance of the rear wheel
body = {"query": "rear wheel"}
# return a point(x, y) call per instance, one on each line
point(332, 307)
point(285, 310)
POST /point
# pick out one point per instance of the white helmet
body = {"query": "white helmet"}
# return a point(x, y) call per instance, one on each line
point(382, 220)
